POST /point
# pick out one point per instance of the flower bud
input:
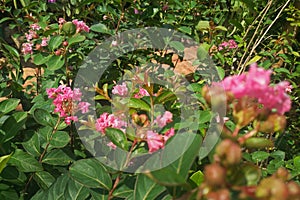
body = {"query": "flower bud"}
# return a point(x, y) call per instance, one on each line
point(274, 123)
point(65, 43)
point(294, 190)
point(229, 152)
point(272, 188)
point(282, 174)
point(214, 175)
point(38, 46)
point(58, 52)
point(258, 143)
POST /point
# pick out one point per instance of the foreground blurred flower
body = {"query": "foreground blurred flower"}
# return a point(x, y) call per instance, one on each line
point(256, 84)
point(161, 121)
point(67, 102)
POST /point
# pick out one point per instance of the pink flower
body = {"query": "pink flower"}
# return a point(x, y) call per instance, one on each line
point(44, 42)
point(109, 120)
point(27, 48)
point(169, 134)
point(112, 145)
point(80, 26)
point(114, 43)
point(61, 20)
point(30, 35)
point(84, 107)
point(142, 92)
point(154, 141)
point(69, 119)
point(66, 102)
point(35, 27)
point(120, 90)
point(161, 121)
point(232, 44)
point(256, 84)
point(136, 11)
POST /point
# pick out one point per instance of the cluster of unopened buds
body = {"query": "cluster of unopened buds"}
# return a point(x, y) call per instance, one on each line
point(226, 174)
point(67, 102)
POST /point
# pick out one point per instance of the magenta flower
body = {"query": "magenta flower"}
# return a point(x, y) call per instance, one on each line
point(112, 145)
point(231, 44)
point(80, 26)
point(120, 90)
point(154, 141)
point(51, 1)
point(161, 121)
point(136, 11)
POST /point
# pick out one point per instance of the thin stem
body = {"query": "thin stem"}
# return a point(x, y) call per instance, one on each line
point(236, 131)
point(110, 195)
point(241, 140)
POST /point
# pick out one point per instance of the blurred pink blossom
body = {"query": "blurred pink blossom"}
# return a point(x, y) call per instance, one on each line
point(35, 27)
point(44, 42)
point(154, 141)
point(80, 26)
point(161, 121)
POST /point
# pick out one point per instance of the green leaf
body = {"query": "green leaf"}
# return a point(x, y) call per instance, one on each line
point(202, 51)
point(146, 188)
point(59, 139)
point(221, 72)
point(253, 60)
point(57, 189)
point(297, 162)
point(259, 156)
point(12, 50)
point(185, 29)
point(39, 59)
point(177, 45)
point(42, 117)
point(32, 146)
point(197, 178)
point(117, 137)
point(55, 62)
point(13, 125)
point(203, 25)
point(139, 104)
point(221, 28)
point(57, 157)
point(205, 116)
point(176, 172)
point(8, 105)
point(164, 97)
point(3, 161)
point(76, 191)
point(55, 42)
point(100, 28)
point(44, 179)
point(25, 162)
point(91, 173)
point(76, 39)
point(5, 19)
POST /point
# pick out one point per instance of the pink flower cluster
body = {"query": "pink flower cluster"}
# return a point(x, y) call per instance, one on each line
point(231, 44)
point(141, 93)
point(256, 84)
point(27, 47)
point(109, 120)
point(80, 26)
point(120, 90)
point(67, 102)
point(157, 141)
